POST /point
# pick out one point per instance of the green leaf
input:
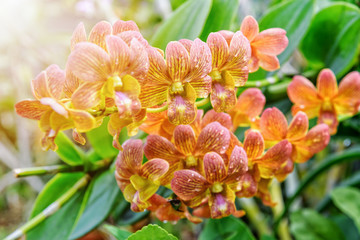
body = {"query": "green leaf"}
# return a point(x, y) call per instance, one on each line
point(333, 39)
point(186, 22)
point(152, 232)
point(309, 225)
point(101, 141)
point(103, 193)
point(347, 200)
point(220, 17)
point(229, 228)
point(68, 151)
point(117, 232)
point(293, 16)
point(59, 225)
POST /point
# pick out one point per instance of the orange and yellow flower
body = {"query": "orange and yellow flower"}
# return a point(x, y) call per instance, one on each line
point(327, 101)
point(179, 80)
point(138, 182)
point(265, 46)
point(230, 55)
point(52, 110)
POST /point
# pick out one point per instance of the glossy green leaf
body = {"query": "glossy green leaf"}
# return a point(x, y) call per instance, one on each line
point(309, 225)
point(59, 225)
point(152, 232)
point(118, 233)
point(101, 141)
point(229, 228)
point(293, 16)
point(102, 195)
point(220, 17)
point(347, 200)
point(186, 22)
point(68, 151)
point(333, 39)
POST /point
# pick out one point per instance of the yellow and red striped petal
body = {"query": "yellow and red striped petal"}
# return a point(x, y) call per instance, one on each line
point(177, 61)
point(187, 184)
point(122, 26)
point(181, 110)
point(88, 95)
point(238, 163)
point(249, 27)
point(273, 124)
point(71, 82)
point(214, 137)
point(31, 109)
point(240, 76)
point(78, 137)
point(222, 204)
point(184, 138)
point(139, 62)
point(56, 80)
point(119, 53)
point(159, 147)
point(129, 160)
point(187, 44)
point(89, 62)
point(310, 110)
point(153, 94)
point(157, 73)
point(239, 52)
point(298, 127)
point(248, 186)
point(219, 49)
point(79, 35)
point(214, 167)
point(271, 41)
point(220, 117)
point(99, 32)
point(330, 119)
point(302, 92)
point(83, 121)
point(55, 105)
point(254, 145)
point(154, 169)
point(223, 97)
point(40, 86)
point(286, 168)
point(348, 99)
point(326, 84)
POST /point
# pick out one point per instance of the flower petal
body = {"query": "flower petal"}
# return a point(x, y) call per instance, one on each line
point(139, 62)
point(187, 44)
point(254, 145)
point(88, 95)
point(119, 53)
point(56, 80)
point(159, 147)
point(145, 187)
point(154, 169)
point(298, 127)
point(240, 52)
point(188, 184)
point(249, 27)
point(251, 102)
point(223, 96)
point(253, 64)
point(326, 84)
point(79, 35)
point(129, 160)
point(220, 117)
point(222, 204)
point(157, 70)
point(248, 186)
point(121, 26)
point(32, 109)
point(268, 62)
point(329, 118)
point(99, 32)
point(83, 121)
point(128, 36)
point(302, 92)
point(214, 137)
point(348, 99)
point(238, 163)
point(240, 76)
point(89, 62)
point(152, 94)
point(271, 41)
point(177, 61)
point(55, 105)
point(184, 137)
point(71, 83)
point(219, 49)
point(214, 167)
point(273, 124)
point(40, 86)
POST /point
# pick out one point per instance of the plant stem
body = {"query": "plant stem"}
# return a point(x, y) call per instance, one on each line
point(51, 209)
point(261, 83)
point(103, 112)
point(157, 110)
point(24, 172)
point(255, 216)
point(202, 102)
point(348, 155)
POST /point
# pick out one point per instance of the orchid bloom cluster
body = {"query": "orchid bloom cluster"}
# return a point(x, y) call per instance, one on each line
point(114, 72)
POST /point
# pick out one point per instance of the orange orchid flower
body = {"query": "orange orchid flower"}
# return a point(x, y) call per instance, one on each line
point(219, 183)
point(188, 150)
point(248, 108)
point(265, 46)
point(230, 55)
point(52, 110)
point(138, 182)
point(327, 101)
point(274, 128)
point(179, 80)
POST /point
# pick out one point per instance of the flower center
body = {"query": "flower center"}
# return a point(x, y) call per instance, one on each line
point(190, 161)
point(327, 106)
point(118, 84)
point(216, 76)
point(176, 88)
point(217, 187)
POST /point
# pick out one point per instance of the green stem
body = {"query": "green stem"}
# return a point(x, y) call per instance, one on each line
point(51, 209)
point(255, 216)
point(277, 196)
point(157, 110)
point(24, 172)
point(202, 102)
point(261, 83)
point(344, 156)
